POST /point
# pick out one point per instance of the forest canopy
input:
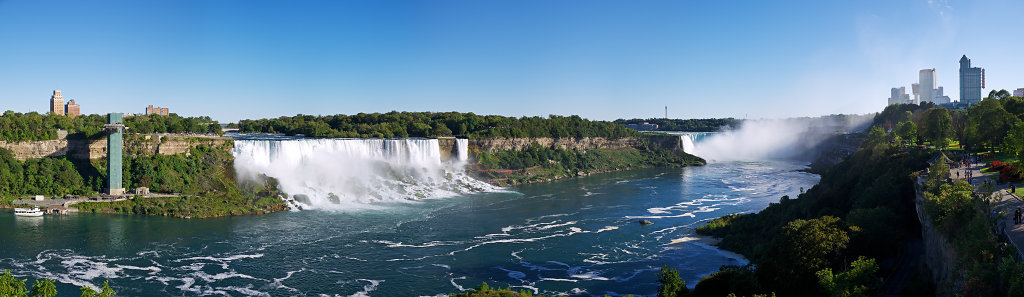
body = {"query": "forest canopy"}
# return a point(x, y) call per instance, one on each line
point(685, 125)
point(34, 126)
point(434, 124)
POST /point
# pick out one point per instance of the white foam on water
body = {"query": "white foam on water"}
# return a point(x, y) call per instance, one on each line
point(247, 291)
point(517, 275)
point(372, 286)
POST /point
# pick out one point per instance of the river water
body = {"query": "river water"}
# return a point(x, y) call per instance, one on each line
point(577, 237)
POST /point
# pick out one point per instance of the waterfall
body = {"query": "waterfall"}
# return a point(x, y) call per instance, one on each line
point(690, 139)
point(346, 173)
point(462, 149)
point(687, 142)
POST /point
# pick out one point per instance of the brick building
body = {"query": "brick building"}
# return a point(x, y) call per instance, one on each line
point(72, 109)
point(150, 110)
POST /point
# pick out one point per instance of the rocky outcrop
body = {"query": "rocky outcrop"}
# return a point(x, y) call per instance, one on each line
point(448, 147)
point(940, 257)
point(36, 149)
point(150, 144)
point(135, 144)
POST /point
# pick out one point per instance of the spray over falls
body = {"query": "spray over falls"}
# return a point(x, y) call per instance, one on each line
point(785, 139)
point(347, 173)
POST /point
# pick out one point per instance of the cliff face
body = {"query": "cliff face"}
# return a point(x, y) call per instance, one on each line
point(147, 144)
point(135, 144)
point(491, 145)
point(448, 145)
point(940, 257)
point(36, 149)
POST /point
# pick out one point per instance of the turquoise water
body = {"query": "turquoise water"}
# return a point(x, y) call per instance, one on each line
point(576, 237)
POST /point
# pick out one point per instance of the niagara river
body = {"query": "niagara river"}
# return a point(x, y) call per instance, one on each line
point(388, 218)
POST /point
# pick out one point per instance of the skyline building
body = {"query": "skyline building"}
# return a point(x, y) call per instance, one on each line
point(72, 109)
point(927, 90)
point(150, 110)
point(926, 85)
point(972, 80)
point(899, 96)
point(56, 103)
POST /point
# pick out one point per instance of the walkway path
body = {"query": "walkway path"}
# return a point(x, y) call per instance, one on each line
point(1005, 202)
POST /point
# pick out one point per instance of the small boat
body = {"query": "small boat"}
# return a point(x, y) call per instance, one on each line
point(28, 212)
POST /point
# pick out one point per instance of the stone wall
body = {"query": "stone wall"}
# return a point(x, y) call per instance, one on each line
point(135, 144)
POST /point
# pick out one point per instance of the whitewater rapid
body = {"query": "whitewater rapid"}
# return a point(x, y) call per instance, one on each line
point(346, 173)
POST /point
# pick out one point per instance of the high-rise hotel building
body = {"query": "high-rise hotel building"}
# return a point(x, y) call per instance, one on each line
point(926, 85)
point(56, 103)
point(972, 80)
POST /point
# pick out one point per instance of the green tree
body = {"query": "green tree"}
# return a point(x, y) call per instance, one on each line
point(807, 246)
point(987, 124)
point(1014, 105)
point(11, 286)
point(1000, 94)
point(958, 125)
point(937, 126)
point(1013, 144)
point(908, 131)
point(106, 290)
point(87, 291)
point(859, 280)
point(670, 284)
point(44, 288)
point(740, 280)
point(938, 173)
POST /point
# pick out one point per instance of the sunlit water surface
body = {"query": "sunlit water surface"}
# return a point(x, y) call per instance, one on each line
point(576, 237)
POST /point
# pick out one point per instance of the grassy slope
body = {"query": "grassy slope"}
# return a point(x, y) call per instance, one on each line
point(206, 180)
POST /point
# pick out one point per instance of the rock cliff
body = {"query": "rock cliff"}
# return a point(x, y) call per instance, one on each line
point(940, 257)
point(448, 149)
point(517, 144)
point(97, 148)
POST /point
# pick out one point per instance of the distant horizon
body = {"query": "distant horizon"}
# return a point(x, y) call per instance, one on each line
point(483, 114)
point(602, 60)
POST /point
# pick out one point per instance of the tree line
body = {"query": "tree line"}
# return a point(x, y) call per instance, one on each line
point(34, 126)
point(995, 123)
point(686, 125)
point(46, 176)
point(434, 124)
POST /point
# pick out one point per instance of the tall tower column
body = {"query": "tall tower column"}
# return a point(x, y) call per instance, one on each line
point(115, 143)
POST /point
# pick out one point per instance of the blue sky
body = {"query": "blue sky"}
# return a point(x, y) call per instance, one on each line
point(598, 59)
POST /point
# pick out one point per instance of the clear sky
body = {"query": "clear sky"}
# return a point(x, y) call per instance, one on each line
point(598, 59)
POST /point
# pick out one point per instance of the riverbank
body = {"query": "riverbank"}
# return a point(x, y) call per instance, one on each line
point(189, 207)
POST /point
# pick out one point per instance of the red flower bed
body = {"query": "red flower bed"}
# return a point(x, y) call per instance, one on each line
point(1010, 172)
point(997, 166)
